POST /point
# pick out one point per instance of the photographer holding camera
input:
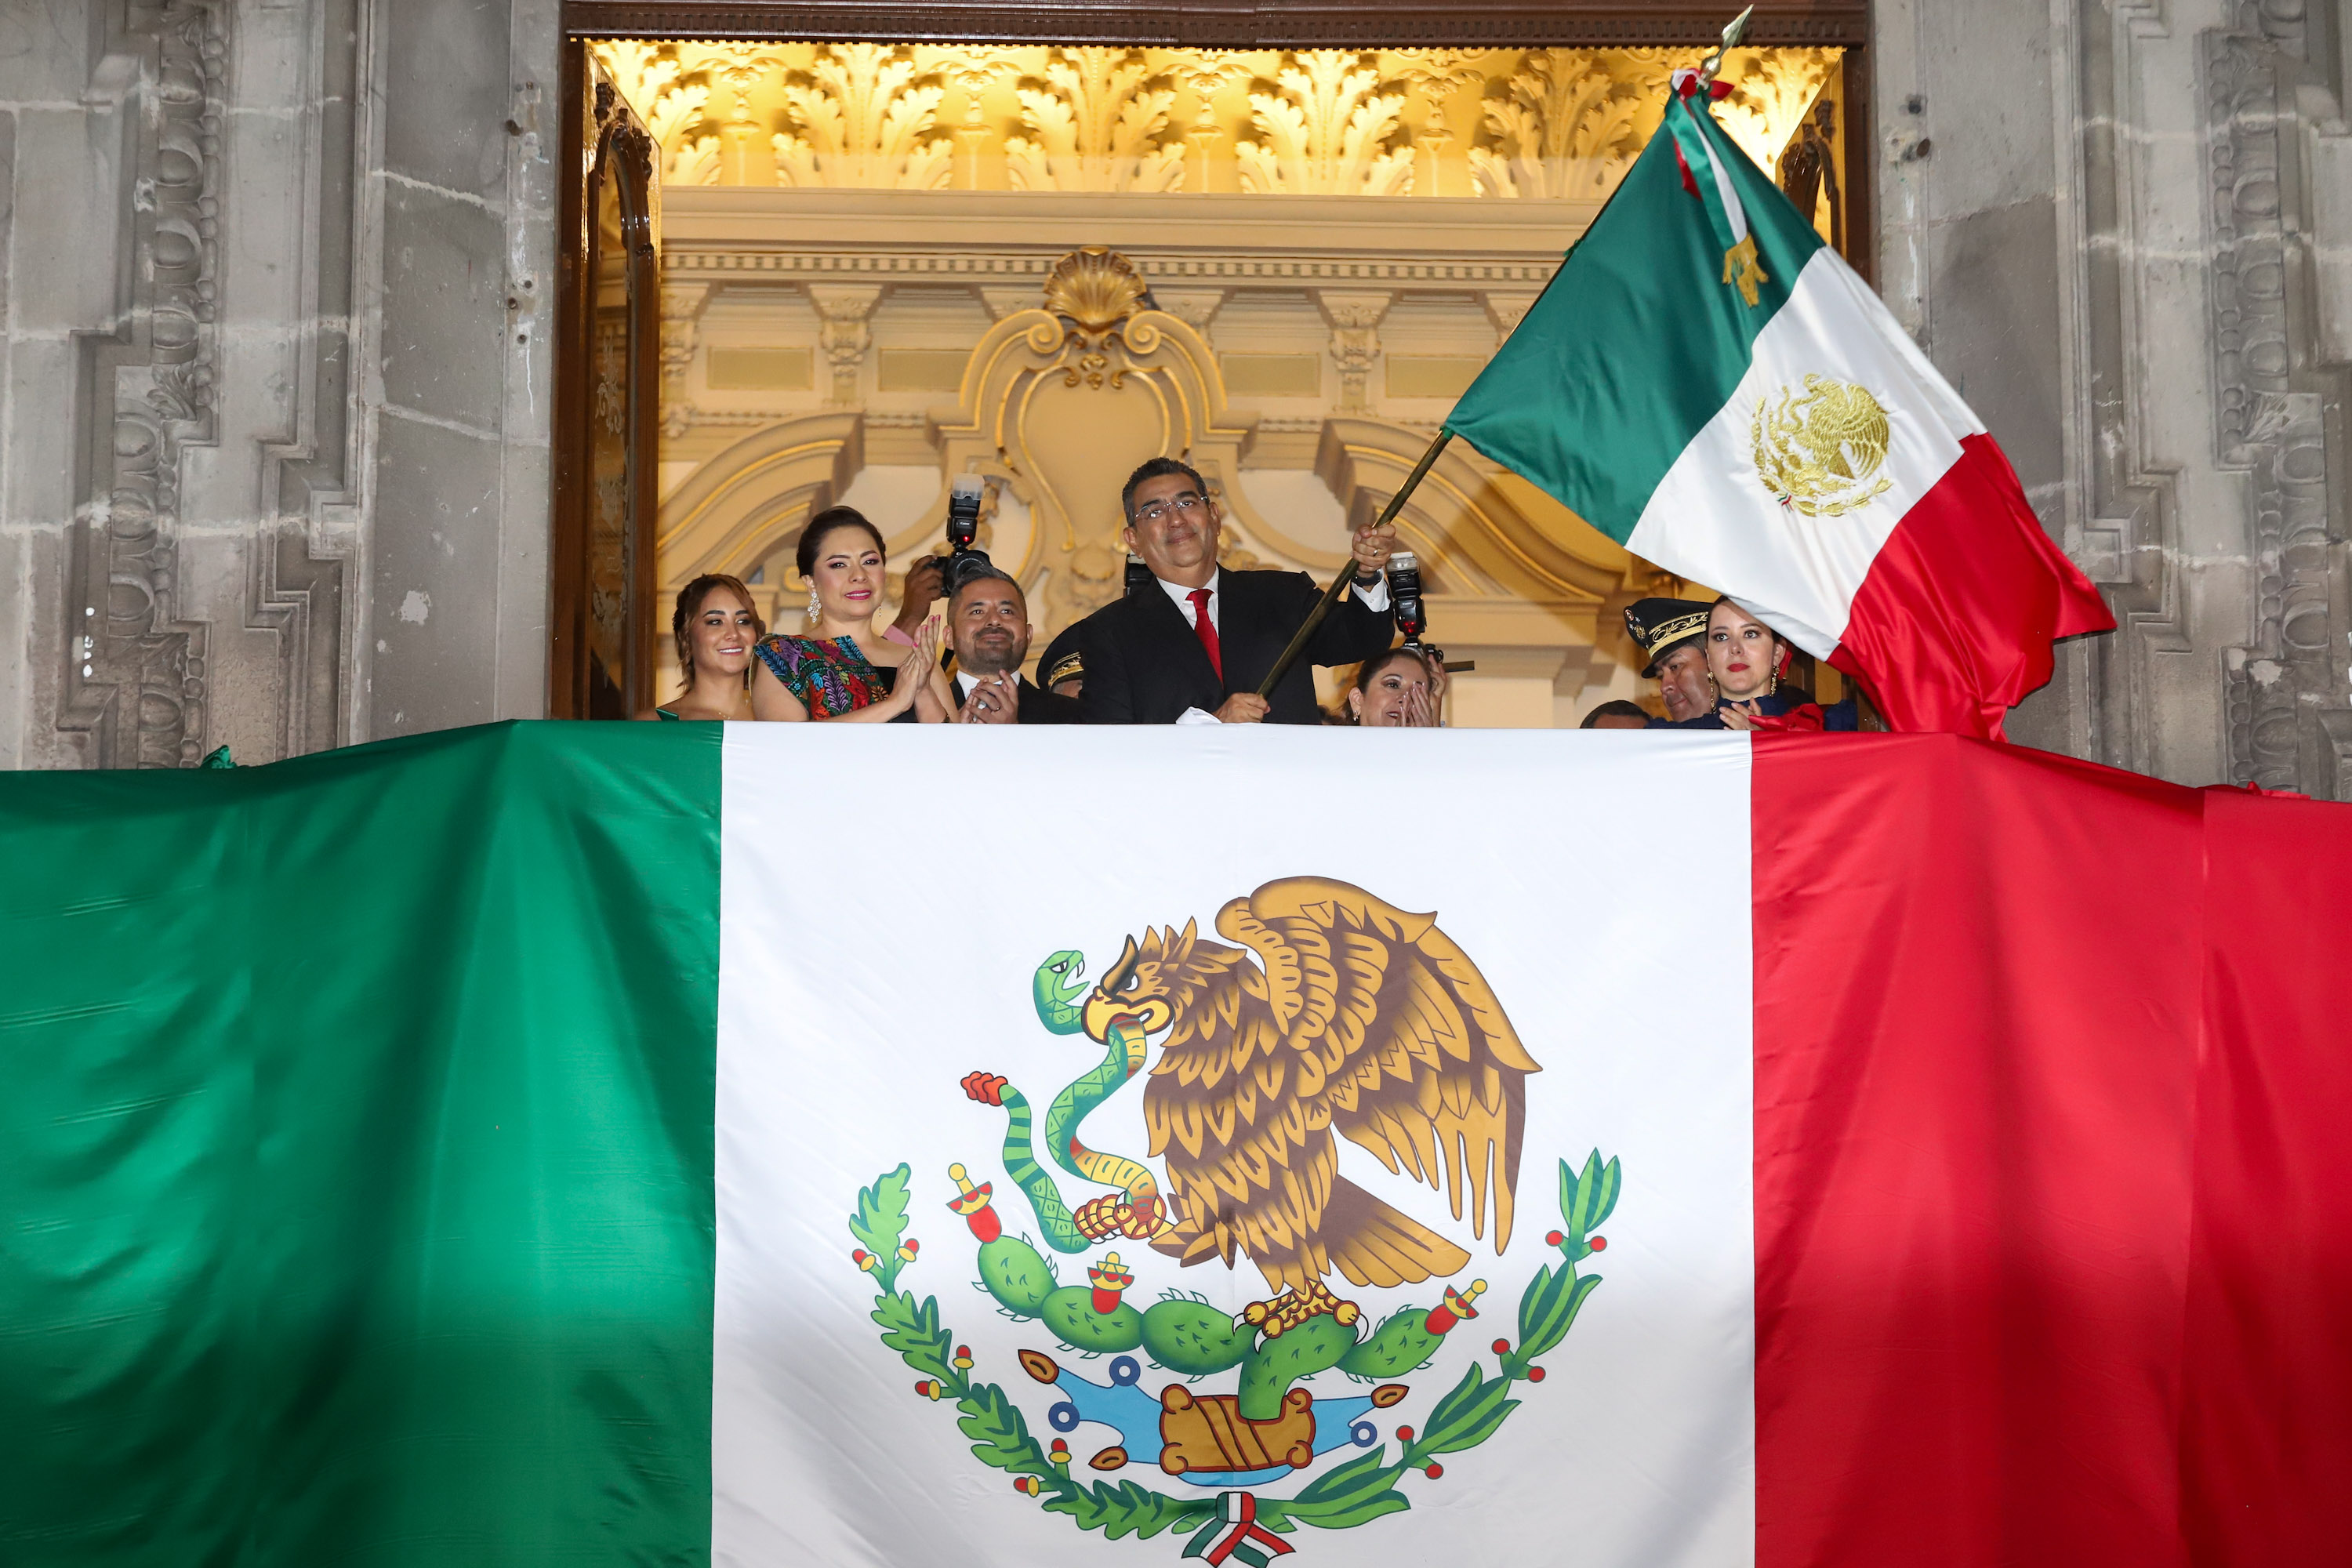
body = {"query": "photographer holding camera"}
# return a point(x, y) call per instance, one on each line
point(933, 575)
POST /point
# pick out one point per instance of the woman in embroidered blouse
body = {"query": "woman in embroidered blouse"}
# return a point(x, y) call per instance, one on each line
point(714, 627)
point(830, 673)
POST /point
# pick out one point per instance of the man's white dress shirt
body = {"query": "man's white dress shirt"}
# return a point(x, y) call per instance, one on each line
point(1375, 594)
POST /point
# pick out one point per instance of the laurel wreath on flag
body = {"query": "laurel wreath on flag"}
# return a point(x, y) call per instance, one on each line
point(1237, 1526)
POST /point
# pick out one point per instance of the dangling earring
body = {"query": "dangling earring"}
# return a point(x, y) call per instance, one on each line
point(814, 608)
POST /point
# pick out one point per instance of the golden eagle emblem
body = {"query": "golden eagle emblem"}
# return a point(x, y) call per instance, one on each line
point(1338, 1013)
point(1818, 450)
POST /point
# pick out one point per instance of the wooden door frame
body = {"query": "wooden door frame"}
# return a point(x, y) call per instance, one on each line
point(616, 135)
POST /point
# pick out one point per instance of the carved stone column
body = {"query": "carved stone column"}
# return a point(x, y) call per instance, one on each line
point(847, 310)
point(1355, 321)
point(281, 475)
point(1001, 300)
point(2272, 406)
point(135, 674)
point(1507, 311)
point(681, 332)
point(1196, 307)
point(2200, 397)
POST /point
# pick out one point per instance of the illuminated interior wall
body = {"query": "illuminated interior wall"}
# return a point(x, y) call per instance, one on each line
point(1350, 234)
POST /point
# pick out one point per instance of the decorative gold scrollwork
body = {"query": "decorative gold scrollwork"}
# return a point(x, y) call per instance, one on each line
point(1096, 290)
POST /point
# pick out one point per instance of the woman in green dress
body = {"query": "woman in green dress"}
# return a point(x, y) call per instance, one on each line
point(839, 669)
point(716, 629)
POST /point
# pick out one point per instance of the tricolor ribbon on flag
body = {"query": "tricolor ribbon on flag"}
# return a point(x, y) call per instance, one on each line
point(1741, 269)
point(1235, 1532)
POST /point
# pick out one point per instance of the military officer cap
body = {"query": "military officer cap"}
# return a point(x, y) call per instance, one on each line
point(1061, 660)
point(1658, 626)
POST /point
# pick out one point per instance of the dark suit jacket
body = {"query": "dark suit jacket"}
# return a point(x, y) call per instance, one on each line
point(1038, 706)
point(1145, 664)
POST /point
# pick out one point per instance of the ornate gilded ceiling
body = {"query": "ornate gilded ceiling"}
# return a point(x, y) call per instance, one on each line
point(1500, 124)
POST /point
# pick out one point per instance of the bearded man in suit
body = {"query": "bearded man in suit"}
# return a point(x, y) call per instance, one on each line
point(1195, 650)
point(988, 625)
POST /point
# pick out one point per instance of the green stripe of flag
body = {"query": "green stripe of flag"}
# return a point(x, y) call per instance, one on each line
point(1638, 342)
point(357, 1155)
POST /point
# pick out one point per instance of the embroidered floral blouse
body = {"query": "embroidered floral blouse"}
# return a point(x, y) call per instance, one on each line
point(829, 674)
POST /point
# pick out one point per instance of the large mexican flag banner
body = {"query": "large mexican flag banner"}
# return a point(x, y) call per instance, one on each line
point(794, 1145)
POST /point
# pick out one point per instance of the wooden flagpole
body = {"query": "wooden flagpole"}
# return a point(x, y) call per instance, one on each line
point(1347, 577)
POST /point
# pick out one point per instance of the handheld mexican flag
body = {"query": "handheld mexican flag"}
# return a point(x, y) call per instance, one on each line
point(1712, 386)
point(670, 1143)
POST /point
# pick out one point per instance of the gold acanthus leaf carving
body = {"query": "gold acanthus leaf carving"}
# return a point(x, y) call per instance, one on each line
point(1327, 127)
point(642, 70)
point(648, 76)
point(1566, 125)
point(1307, 122)
point(861, 118)
point(1771, 90)
point(1096, 121)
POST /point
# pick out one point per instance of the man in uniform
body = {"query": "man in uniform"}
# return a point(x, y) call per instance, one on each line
point(1671, 636)
point(1062, 669)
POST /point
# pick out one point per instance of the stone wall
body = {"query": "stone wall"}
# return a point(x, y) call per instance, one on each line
point(274, 415)
point(274, 379)
point(2124, 229)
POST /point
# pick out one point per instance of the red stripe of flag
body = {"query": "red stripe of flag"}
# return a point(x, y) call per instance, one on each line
point(2267, 1426)
point(1952, 627)
point(2053, 1164)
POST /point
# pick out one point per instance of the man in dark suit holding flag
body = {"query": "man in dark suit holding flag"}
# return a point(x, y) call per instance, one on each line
point(1195, 648)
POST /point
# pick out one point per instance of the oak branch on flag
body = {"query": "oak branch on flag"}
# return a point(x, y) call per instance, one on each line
point(1712, 386)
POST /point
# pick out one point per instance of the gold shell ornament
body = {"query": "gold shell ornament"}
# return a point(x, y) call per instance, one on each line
point(1818, 450)
point(1095, 288)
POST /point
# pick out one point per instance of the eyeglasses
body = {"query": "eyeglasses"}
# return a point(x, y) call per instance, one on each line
point(1184, 505)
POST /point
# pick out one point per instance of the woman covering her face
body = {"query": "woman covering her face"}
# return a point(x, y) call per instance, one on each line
point(839, 669)
point(1399, 689)
point(714, 626)
point(1745, 658)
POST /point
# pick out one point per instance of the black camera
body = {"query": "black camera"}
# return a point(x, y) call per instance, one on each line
point(1404, 598)
point(965, 560)
point(1412, 616)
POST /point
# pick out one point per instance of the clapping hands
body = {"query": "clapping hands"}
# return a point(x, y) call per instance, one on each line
point(992, 699)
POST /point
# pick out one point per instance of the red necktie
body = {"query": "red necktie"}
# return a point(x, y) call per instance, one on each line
point(1207, 629)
